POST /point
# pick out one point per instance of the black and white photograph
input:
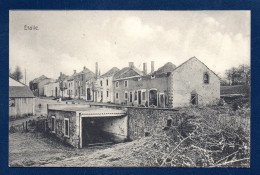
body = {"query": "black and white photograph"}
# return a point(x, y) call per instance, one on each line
point(93, 88)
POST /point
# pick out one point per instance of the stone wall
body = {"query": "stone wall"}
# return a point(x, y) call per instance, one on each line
point(73, 138)
point(147, 121)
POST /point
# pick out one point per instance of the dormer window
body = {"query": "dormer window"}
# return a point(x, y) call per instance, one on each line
point(206, 78)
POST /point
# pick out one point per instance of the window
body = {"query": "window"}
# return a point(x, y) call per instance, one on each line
point(100, 83)
point(194, 99)
point(143, 95)
point(206, 78)
point(117, 84)
point(126, 95)
point(11, 102)
point(153, 77)
point(117, 95)
point(169, 122)
point(107, 94)
point(130, 97)
point(135, 95)
point(53, 124)
point(107, 82)
point(66, 127)
point(101, 94)
point(125, 83)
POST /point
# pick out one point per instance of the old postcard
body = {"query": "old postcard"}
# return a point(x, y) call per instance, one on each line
point(129, 88)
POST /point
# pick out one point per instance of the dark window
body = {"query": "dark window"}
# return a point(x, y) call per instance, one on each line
point(117, 95)
point(135, 95)
point(100, 83)
point(53, 124)
point(66, 127)
point(126, 95)
point(131, 97)
point(107, 93)
point(206, 78)
point(194, 99)
point(169, 122)
point(125, 83)
point(107, 82)
point(117, 84)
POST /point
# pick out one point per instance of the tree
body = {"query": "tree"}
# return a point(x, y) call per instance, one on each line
point(238, 75)
point(17, 74)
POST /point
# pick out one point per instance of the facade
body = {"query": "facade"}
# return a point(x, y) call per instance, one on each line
point(21, 100)
point(104, 84)
point(146, 90)
point(82, 126)
point(192, 83)
point(120, 82)
point(80, 80)
point(37, 85)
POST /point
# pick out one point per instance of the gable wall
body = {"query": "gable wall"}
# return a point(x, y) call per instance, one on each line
point(189, 77)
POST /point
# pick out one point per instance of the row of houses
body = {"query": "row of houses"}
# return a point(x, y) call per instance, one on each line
point(191, 83)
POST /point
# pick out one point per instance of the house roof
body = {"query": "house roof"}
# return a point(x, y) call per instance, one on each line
point(89, 74)
point(168, 67)
point(194, 58)
point(20, 91)
point(37, 80)
point(120, 73)
point(112, 71)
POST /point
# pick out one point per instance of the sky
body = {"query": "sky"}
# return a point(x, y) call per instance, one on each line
point(69, 40)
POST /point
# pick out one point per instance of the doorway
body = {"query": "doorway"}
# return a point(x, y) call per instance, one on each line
point(139, 97)
point(194, 99)
point(153, 98)
point(88, 94)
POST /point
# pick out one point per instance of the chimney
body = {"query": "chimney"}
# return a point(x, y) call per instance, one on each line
point(84, 67)
point(145, 68)
point(131, 64)
point(75, 71)
point(96, 69)
point(60, 73)
point(152, 66)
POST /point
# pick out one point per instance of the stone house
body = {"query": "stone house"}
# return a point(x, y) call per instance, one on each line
point(80, 80)
point(104, 86)
point(191, 83)
point(120, 82)
point(147, 90)
point(21, 100)
point(37, 85)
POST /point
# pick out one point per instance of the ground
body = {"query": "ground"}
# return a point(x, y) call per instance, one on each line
point(223, 140)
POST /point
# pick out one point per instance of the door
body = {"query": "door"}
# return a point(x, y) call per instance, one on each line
point(194, 99)
point(153, 97)
point(88, 94)
point(162, 101)
point(139, 97)
point(56, 91)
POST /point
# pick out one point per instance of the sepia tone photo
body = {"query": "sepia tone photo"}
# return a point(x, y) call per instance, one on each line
point(129, 88)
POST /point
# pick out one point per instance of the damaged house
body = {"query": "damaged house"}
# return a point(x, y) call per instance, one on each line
point(191, 83)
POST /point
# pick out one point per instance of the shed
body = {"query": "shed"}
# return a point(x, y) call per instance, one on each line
point(21, 100)
point(82, 126)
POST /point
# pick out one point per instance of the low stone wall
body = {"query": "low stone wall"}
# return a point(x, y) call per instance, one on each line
point(73, 138)
point(148, 121)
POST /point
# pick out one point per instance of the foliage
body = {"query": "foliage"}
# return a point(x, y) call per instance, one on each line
point(17, 74)
point(238, 75)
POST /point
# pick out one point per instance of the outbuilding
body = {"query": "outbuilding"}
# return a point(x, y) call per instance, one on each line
point(21, 100)
point(82, 125)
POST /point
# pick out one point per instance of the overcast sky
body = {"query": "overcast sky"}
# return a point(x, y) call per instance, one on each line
point(68, 40)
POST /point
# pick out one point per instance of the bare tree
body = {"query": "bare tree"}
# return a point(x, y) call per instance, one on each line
point(17, 74)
